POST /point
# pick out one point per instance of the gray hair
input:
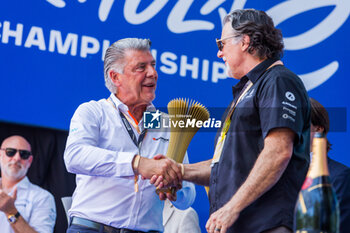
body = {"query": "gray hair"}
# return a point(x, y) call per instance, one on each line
point(266, 41)
point(115, 54)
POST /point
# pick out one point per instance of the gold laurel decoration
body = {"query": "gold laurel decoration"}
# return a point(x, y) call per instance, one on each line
point(182, 110)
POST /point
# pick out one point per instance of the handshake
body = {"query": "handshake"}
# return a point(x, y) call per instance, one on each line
point(162, 172)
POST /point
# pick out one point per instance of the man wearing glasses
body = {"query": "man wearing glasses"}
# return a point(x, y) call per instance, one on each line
point(24, 207)
point(261, 154)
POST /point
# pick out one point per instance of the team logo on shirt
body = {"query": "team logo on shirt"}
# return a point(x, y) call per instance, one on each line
point(290, 96)
point(151, 120)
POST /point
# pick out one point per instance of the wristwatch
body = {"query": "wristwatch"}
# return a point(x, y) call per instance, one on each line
point(13, 217)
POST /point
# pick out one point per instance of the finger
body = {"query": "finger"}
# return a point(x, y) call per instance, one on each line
point(162, 196)
point(223, 229)
point(157, 157)
point(173, 179)
point(161, 185)
point(171, 197)
point(153, 180)
point(158, 181)
point(207, 225)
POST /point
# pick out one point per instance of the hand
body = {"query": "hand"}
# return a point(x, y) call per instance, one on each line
point(161, 166)
point(7, 202)
point(222, 219)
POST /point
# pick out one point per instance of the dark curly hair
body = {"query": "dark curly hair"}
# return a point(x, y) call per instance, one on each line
point(266, 41)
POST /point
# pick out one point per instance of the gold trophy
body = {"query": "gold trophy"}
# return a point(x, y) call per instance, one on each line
point(186, 117)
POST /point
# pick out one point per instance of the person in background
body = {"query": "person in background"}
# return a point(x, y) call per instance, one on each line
point(179, 221)
point(24, 207)
point(339, 173)
point(109, 149)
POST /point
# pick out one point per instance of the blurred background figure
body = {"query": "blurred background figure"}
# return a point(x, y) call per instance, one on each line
point(24, 207)
point(339, 173)
point(177, 221)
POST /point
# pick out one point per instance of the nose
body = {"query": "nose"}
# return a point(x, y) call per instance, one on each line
point(17, 156)
point(220, 54)
point(151, 72)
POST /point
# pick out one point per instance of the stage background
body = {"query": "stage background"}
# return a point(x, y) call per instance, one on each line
point(51, 61)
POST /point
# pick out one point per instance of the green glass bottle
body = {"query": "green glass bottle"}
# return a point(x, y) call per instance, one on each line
point(317, 209)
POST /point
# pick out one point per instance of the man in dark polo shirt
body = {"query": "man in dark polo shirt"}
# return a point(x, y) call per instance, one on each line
point(262, 151)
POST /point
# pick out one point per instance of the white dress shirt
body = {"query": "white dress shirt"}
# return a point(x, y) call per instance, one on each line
point(36, 206)
point(100, 151)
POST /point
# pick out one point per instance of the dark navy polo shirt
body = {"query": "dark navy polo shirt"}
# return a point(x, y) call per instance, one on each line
point(277, 99)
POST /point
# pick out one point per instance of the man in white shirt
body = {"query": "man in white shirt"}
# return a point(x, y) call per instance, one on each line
point(24, 207)
point(179, 221)
point(109, 150)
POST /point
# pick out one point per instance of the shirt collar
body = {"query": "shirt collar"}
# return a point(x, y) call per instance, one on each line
point(123, 107)
point(259, 69)
point(253, 75)
point(23, 184)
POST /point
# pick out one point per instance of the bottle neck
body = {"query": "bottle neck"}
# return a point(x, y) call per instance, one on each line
point(318, 166)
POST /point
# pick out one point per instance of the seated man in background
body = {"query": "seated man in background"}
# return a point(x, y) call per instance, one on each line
point(177, 221)
point(24, 207)
point(339, 173)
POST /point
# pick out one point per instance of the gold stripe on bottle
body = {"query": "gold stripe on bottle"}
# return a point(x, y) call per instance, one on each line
point(318, 165)
point(318, 186)
point(302, 203)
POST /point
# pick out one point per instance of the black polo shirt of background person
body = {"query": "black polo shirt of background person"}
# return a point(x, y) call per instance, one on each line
point(277, 99)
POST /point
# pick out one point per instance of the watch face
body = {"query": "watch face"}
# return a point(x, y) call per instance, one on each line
point(12, 219)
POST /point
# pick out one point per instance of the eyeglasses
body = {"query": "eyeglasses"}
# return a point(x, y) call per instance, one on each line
point(10, 152)
point(220, 44)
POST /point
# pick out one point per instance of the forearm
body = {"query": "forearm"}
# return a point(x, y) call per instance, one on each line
point(22, 226)
point(198, 173)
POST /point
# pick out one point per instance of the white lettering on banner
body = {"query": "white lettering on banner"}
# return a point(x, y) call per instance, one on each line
point(62, 48)
point(169, 66)
point(170, 63)
point(86, 49)
point(35, 37)
point(7, 32)
point(216, 74)
point(191, 67)
point(176, 18)
point(132, 17)
point(205, 70)
point(281, 12)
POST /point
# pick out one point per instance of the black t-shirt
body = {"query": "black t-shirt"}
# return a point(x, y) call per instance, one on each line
point(277, 99)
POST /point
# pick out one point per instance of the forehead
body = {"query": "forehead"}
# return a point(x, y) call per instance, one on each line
point(134, 57)
point(17, 143)
point(227, 30)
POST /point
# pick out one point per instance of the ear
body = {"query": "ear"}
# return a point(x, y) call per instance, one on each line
point(115, 77)
point(30, 160)
point(245, 43)
point(319, 129)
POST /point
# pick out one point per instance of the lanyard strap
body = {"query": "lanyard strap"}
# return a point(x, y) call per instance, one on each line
point(131, 132)
point(128, 127)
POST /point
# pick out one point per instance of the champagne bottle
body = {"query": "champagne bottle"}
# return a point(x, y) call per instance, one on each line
point(317, 208)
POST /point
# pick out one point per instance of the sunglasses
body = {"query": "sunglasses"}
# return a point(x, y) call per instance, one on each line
point(10, 152)
point(220, 44)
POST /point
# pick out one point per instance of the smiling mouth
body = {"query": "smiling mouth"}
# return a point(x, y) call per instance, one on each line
point(149, 85)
